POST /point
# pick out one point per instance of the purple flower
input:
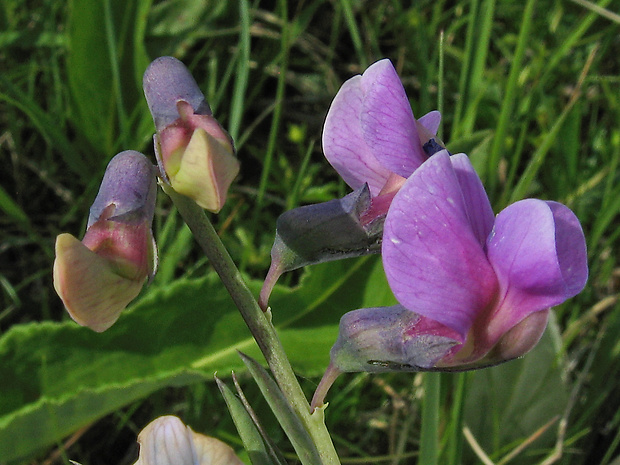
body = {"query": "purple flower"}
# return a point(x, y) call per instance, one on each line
point(374, 142)
point(97, 277)
point(195, 154)
point(474, 289)
point(448, 258)
point(371, 136)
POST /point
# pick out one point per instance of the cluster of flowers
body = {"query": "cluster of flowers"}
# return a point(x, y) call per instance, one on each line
point(474, 289)
point(97, 277)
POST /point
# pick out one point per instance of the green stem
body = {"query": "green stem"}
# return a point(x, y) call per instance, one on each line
point(259, 324)
point(454, 440)
point(429, 440)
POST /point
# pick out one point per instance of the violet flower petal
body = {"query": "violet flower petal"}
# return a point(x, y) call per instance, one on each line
point(343, 141)
point(431, 254)
point(387, 121)
point(477, 203)
point(130, 184)
point(167, 81)
point(431, 121)
point(538, 252)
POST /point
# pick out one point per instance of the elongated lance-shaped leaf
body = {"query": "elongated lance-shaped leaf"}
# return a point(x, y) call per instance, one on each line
point(249, 434)
point(291, 424)
point(277, 455)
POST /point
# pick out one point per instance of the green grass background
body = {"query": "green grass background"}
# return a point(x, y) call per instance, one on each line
point(530, 90)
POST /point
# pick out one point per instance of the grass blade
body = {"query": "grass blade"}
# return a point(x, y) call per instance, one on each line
point(510, 93)
point(291, 424)
point(244, 423)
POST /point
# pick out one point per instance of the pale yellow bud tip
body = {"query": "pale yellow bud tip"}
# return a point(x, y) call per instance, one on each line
point(93, 294)
point(207, 169)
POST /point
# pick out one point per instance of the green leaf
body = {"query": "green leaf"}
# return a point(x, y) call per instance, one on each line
point(58, 377)
point(11, 208)
point(105, 43)
point(46, 125)
point(282, 409)
point(510, 402)
point(250, 436)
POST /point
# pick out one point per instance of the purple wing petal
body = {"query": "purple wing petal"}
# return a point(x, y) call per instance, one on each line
point(432, 258)
point(477, 203)
point(343, 141)
point(388, 123)
point(538, 251)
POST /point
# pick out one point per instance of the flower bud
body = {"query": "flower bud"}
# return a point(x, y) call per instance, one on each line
point(97, 277)
point(322, 232)
point(196, 156)
point(167, 441)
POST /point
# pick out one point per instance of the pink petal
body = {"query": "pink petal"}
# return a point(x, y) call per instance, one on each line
point(387, 121)
point(343, 141)
point(538, 252)
point(477, 203)
point(432, 258)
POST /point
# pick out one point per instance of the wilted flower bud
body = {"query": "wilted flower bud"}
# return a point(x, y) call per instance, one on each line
point(167, 441)
point(195, 155)
point(322, 232)
point(97, 277)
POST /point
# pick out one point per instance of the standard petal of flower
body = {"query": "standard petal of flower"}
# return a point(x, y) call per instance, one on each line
point(521, 338)
point(431, 255)
point(92, 292)
point(211, 451)
point(477, 203)
point(167, 441)
point(343, 141)
point(538, 252)
point(207, 169)
point(165, 82)
point(130, 184)
point(129, 248)
point(387, 122)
